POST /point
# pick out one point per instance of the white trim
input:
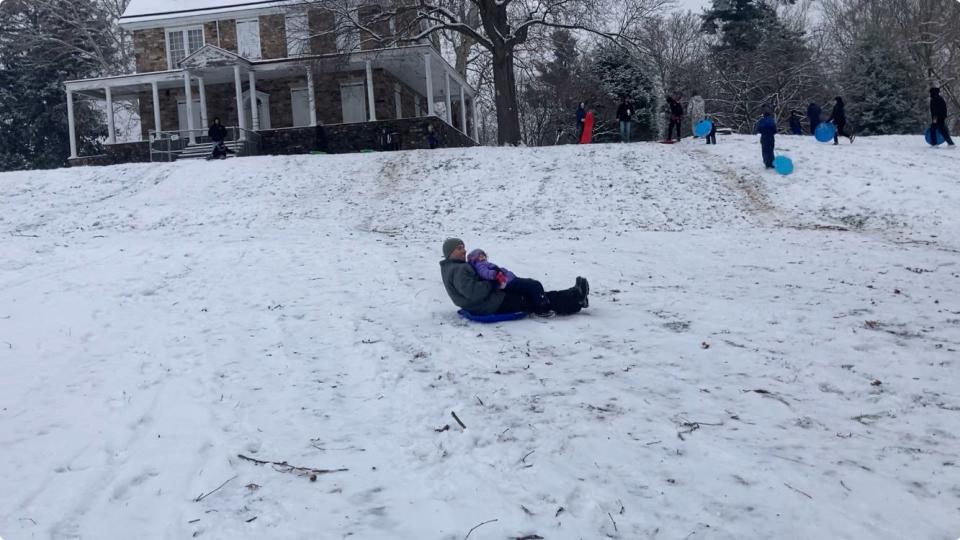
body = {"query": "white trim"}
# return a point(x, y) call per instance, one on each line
point(239, 89)
point(429, 73)
point(446, 97)
point(371, 99)
point(143, 22)
point(155, 89)
point(188, 93)
point(311, 98)
point(71, 123)
point(398, 98)
point(111, 128)
point(186, 40)
point(203, 104)
point(463, 111)
point(252, 91)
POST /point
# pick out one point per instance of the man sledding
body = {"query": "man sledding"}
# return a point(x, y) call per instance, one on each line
point(477, 295)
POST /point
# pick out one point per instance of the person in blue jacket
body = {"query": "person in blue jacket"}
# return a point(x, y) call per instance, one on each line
point(767, 128)
point(813, 116)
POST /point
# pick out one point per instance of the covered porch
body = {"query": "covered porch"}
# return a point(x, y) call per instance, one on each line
point(368, 86)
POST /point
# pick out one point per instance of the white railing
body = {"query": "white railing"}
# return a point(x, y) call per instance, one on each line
point(168, 145)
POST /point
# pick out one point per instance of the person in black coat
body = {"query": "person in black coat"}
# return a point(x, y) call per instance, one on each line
point(839, 118)
point(938, 110)
point(795, 127)
point(676, 116)
point(813, 116)
point(625, 116)
point(217, 134)
point(581, 117)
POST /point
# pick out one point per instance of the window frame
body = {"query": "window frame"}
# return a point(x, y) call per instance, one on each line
point(186, 40)
point(259, 40)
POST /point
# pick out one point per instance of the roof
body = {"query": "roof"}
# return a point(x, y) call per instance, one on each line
point(141, 11)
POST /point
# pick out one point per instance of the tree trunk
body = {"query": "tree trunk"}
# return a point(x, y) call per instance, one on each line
point(505, 88)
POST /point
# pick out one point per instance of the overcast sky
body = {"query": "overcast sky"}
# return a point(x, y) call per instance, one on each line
point(694, 5)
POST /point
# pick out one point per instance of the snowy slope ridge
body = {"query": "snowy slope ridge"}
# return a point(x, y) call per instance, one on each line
point(764, 356)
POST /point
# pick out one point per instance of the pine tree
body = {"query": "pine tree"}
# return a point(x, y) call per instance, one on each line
point(621, 75)
point(43, 44)
point(882, 88)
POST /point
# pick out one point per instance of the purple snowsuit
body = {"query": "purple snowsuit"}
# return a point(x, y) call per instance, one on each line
point(486, 269)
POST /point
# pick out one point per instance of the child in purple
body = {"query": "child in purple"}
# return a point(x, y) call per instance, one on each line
point(530, 288)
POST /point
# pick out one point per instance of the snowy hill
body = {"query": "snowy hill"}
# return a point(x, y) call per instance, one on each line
point(764, 356)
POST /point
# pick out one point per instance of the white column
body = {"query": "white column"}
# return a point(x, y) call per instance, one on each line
point(311, 100)
point(254, 114)
point(203, 104)
point(239, 86)
point(446, 92)
point(426, 61)
point(71, 125)
point(188, 91)
point(463, 111)
point(111, 133)
point(476, 119)
point(156, 106)
point(371, 102)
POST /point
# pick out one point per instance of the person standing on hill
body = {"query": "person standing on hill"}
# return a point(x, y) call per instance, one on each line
point(795, 127)
point(938, 111)
point(625, 116)
point(698, 112)
point(218, 134)
point(581, 117)
point(767, 128)
point(839, 118)
point(813, 116)
point(676, 116)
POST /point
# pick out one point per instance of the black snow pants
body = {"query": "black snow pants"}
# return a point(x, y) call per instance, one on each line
point(940, 125)
point(766, 145)
point(563, 302)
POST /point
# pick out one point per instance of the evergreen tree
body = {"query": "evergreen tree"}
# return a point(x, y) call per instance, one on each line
point(882, 88)
point(552, 96)
point(43, 44)
point(621, 75)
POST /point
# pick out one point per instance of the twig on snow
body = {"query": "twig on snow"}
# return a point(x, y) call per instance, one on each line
point(457, 419)
point(287, 468)
point(614, 522)
point(477, 526)
point(525, 456)
point(845, 486)
point(252, 519)
point(203, 496)
point(807, 495)
point(479, 400)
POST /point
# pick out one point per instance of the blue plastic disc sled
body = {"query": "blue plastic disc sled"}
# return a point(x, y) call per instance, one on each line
point(929, 133)
point(825, 132)
point(703, 128)
point(496, 317)
point(783, 165)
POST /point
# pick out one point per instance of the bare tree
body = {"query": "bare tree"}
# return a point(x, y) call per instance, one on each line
point(497, 26)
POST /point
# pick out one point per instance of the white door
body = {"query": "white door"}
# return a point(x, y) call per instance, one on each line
point(182, 115)
point(300, 101)
point(352, 99)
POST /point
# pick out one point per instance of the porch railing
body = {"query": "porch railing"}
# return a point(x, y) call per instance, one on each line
point(169, 145)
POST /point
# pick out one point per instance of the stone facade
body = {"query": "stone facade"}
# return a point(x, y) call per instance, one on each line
point(228, 35)
point(273, 37)
point(321, 24)
point(347, 138)
point(150, 50)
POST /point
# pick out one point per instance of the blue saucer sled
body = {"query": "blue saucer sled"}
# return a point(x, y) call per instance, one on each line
point(703, 128)
point(494, 318)
point(783, 165)
point(825, 132)
point(927, 136)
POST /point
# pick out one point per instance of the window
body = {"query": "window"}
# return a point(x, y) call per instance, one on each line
point(181, 43)
point(298, 34)
point(248, 38)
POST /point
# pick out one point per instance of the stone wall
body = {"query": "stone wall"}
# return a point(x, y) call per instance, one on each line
point(347, 138)
point(135, 152)
point(273, 37)
point(228, 35)
point(150, 50)
point(321, 24)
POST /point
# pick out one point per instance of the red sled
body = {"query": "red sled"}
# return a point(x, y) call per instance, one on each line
point(587, 129)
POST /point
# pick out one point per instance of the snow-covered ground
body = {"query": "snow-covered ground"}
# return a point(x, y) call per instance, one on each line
point(764, 356)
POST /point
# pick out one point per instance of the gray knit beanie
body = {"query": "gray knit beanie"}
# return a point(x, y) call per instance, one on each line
point(449, 245)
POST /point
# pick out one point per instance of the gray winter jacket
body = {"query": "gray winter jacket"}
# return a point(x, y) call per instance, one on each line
point(468, 290)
